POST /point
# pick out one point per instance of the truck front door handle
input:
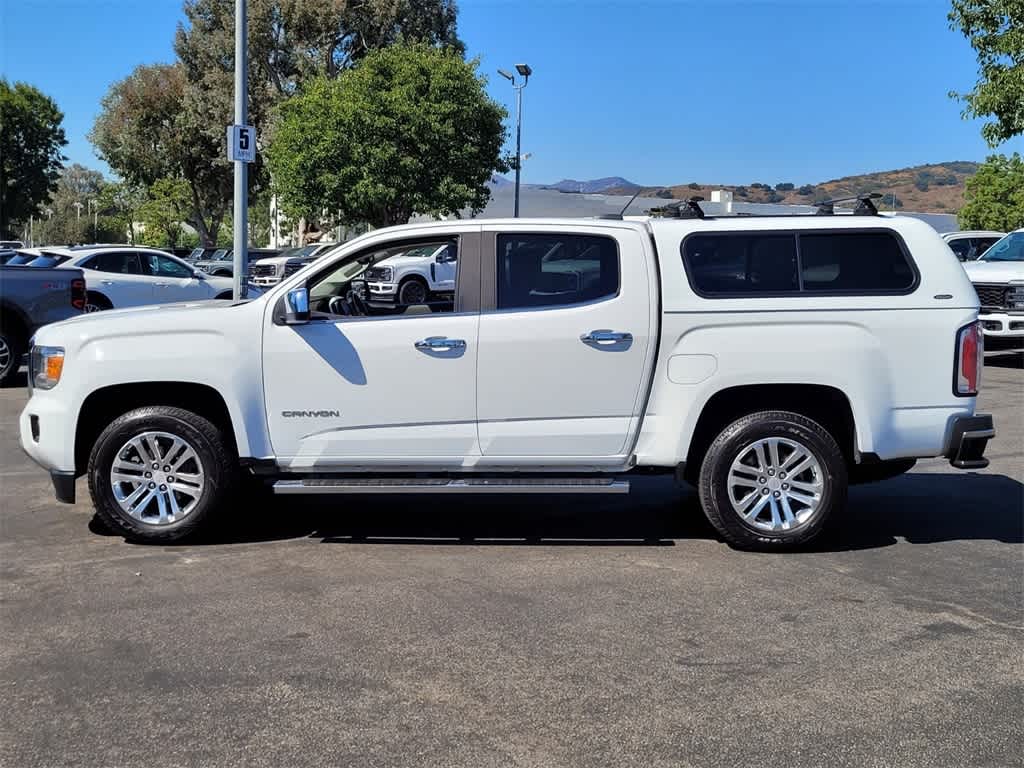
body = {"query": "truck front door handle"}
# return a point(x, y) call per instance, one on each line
point(605, 337)
point(106, 282)
point(440, 344)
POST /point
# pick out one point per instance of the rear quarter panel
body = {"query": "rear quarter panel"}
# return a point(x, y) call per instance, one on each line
point(892, 356)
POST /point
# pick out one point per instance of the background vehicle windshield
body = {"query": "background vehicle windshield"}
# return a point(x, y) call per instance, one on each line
point(1010, 248)
point(305, 250)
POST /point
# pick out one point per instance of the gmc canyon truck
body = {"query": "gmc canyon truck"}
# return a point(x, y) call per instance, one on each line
point(31, 297)
point(768, 361)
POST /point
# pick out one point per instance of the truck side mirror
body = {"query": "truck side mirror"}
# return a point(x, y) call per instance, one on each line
point(296, 306)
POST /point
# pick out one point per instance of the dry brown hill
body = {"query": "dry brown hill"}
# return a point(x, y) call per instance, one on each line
point(937, 188)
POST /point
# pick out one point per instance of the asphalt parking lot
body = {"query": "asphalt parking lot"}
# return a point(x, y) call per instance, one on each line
point(426, 632)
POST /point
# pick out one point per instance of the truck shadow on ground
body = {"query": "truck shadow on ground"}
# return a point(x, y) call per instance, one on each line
point(919, 508)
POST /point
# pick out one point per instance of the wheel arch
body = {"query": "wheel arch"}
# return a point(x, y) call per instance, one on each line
point(92, 292)
point(825, 404)
point(104, 405)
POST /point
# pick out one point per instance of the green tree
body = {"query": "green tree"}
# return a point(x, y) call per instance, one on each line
point(31, 138)
point(995, 195)
point(410, 129)
point(290, 42)
point(995, 29)
point(145, 135)
point(119, 204)
point(166, 207)
point(71, 221)
point(784, 187)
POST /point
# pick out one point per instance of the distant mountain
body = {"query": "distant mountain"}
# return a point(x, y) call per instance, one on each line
point(936, 188)
point(594, 186)
point(499, 181)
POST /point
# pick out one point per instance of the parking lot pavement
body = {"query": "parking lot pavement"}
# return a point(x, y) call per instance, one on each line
point(419, 631)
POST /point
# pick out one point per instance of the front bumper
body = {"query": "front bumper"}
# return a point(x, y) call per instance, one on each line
point(265, 280)
point(968, 439)
point(1002, 324)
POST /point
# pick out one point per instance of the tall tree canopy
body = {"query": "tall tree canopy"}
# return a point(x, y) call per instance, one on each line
point(995, 195)
point(31, 138)
point(409, 129)
point(995, 29)
point(145, 134)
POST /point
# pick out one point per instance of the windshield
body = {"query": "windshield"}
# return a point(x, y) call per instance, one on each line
point(48, 260)
point(1010, 248)
point(300, 252)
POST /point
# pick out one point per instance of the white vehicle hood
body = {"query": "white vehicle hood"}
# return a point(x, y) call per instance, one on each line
point(994, 271)
point(400, 260)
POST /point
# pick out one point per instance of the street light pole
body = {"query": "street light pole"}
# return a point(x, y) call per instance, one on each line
point(525, 71)
point(241, 210)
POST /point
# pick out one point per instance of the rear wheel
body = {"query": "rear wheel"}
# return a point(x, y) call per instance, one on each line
point(97, 302)
point(12, 348)
point(157, 474)
point(772, 480)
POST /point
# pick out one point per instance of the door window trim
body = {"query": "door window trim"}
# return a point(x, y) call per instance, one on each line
point(467, 273)
point(800, 291)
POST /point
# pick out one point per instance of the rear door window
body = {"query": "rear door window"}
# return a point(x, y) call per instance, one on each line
point(547, 270)
point(118, 262)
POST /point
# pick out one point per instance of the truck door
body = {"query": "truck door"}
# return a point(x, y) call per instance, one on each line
point(565, 342)
point(361, 385)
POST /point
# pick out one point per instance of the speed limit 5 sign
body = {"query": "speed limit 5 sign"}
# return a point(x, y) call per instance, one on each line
point(241, 143)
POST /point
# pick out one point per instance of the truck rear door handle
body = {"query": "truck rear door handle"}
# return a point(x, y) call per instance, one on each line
point(606, 337)
point(106, 282)
point(440, 344)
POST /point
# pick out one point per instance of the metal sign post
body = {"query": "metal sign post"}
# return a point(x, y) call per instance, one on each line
point(242, 150)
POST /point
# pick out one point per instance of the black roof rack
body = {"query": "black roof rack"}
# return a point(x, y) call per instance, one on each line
point(864, 205)
point(681, 209)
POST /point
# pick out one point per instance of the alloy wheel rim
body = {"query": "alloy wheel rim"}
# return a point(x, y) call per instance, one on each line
point(413, 293)
point(6, 355)
point(157, 478)
point(776, 485)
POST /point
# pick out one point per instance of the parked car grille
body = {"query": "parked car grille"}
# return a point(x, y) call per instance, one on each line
point(263, 270)
point(991, 295)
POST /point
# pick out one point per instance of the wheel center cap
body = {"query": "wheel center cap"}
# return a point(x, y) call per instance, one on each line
point(774, 484)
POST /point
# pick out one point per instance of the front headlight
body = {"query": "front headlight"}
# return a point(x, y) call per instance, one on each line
point(45, 366)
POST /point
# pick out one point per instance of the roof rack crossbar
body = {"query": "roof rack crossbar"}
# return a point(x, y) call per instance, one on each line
point(865, 206)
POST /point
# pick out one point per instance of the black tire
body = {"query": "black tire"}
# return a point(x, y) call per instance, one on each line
point(733, 442)
point(97, 300)
point(215, 452)
point(412, 290)
point(13, 345)
point(221, 273)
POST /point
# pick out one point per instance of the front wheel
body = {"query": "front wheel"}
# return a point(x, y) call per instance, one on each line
point(772, 480)
point(156, 474)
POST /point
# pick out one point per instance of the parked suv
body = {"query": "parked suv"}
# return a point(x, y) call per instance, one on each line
point(998, 277)
point(769, 361)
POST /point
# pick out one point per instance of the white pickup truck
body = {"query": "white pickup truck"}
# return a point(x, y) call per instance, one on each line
point(769, 361)
point(998, 277)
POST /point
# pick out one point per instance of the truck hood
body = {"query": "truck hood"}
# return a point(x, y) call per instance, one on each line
point(167, 316)
point(994, 271)
point(402, 260)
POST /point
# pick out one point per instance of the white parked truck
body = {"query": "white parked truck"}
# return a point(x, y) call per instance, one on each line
point(998, 277)
point(769, 361)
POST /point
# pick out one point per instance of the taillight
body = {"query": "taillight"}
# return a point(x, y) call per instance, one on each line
point(78, 294)
point(970, 357)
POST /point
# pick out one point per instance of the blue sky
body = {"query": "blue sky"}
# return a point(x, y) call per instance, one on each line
point(658, 91)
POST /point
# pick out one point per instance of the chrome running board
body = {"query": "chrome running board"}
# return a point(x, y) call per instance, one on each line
point(448, 485)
